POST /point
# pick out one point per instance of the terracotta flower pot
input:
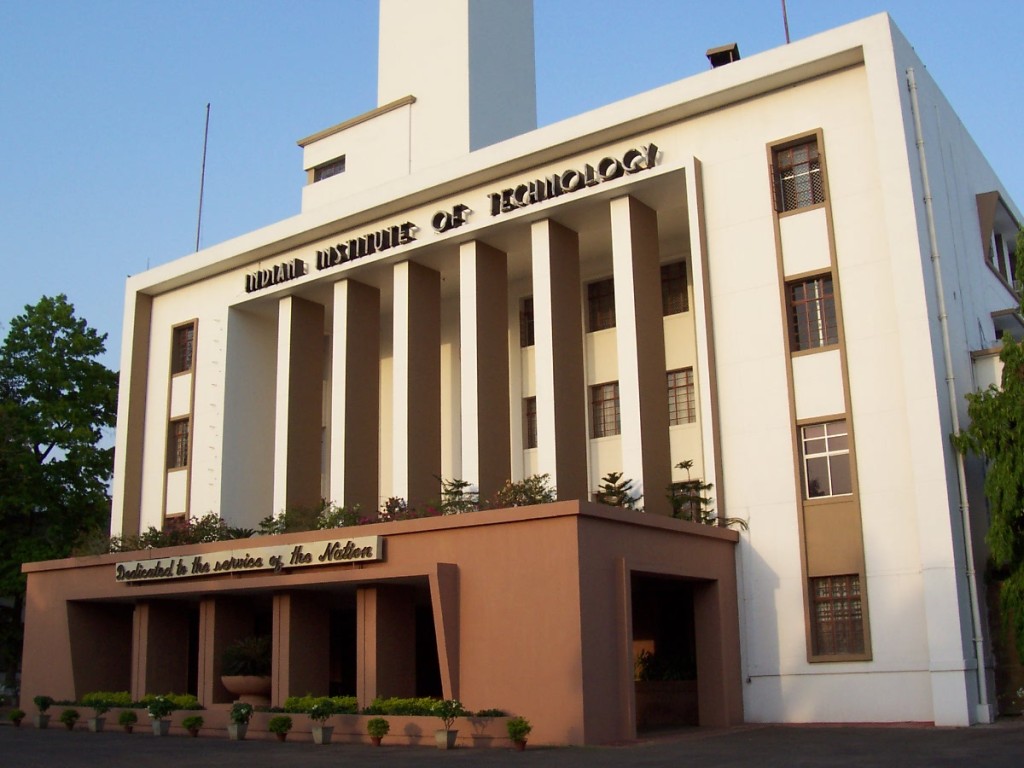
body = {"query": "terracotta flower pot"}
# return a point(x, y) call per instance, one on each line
point(250, 689)
point(375, 740)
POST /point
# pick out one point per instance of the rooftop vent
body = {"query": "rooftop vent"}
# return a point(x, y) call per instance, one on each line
point(723, 54)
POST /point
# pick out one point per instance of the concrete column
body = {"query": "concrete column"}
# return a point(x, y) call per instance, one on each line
point(159, 649)
point(126, 513)
point(719, 688)
point(221, 622)
point(299, 408)
point(355, 396)
point(558, 337)
point(385, 643)
point(301, 647)
point(640, 337)
point(483, 323)
point(416, 440)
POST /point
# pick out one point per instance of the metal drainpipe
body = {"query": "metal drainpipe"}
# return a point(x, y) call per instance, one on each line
point(983, 710)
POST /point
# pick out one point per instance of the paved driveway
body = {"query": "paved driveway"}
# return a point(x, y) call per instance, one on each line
point(992, 746)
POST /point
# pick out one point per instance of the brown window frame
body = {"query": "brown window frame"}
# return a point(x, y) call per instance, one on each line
point(605, 416)
point(527, 337)
point(837, 618)
point(183, 348)
point(601, 305)
point(529, 422)
point(682, 404)
point(797, 177)
point(335, 167)
point(813, 317)
point(179, 435)
point(675, 298)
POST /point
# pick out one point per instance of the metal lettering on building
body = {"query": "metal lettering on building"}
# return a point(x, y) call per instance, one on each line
point(278, 559)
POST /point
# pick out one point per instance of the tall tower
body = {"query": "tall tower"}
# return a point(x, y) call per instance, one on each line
point(470, 66)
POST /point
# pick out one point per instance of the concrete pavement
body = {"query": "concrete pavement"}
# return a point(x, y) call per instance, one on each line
point(773, 746)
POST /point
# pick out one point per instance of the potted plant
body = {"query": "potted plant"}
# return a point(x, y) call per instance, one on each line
point(192, 724)
point(319, 713)
point(16, 716)
point(42, 704)
point(241, 713)
point(447, 710)
point(279, 726)
point(518, 729)
point(69, 717)
point(378, 728)
point(245, 669)
point(99, 709)
point(159, 708)
point(127, 719)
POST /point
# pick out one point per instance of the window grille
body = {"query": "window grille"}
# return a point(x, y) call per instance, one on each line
point(604, 409)
point(177, 447)
point(837, 620)
point(674, 298)
point(530, 422)
point(797, 172)
point(681, 406)
point(183, 348)
point(601, 305)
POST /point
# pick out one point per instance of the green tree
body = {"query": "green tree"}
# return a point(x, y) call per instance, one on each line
point(996, 433)
point(56, 399)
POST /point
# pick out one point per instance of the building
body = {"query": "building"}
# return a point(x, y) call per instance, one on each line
point(777, 270)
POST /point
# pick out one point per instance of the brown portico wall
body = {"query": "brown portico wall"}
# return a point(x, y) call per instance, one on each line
point(531, 613)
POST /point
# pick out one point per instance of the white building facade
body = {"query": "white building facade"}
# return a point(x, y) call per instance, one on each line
point(735, 269)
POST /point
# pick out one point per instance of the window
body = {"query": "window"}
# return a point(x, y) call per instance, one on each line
point(604, 409)
point(674, 298)
point(601, 305)
point(526, 322)
point(327, 170)
point(183, 348)
point(177, 444)
point(529, 422)
point(681, 407)
point(797, 173)
point(837, 619)
point(812, 313)
point(826, 455)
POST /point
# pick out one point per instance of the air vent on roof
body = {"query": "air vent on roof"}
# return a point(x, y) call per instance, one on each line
point(723, 54)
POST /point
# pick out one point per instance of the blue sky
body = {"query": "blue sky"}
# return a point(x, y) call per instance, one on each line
point(102, 104)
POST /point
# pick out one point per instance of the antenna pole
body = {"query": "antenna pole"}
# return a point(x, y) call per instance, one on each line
point(202, 176)
point(785, 20)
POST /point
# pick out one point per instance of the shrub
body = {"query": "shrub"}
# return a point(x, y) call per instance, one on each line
point(518, 728)
point(536, 489)
point(241, 712)
point(491, 713)
point(108, 698)
point(322, 710)
point(248, 656)
point(448, 710)
point(160, 707)
point(69, 717)
point(615, 491)
point(42, 703)
point(378, 727)
point(280, 724)
point(192, 723)
point(16, 716)
point(401, 707)
point(457, 497)
point(343, 705)
point(127, 717)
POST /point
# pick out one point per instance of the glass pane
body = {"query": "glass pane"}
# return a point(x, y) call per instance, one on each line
point(817, 478)
point(841, 480)
point(814, 430)
point(813, 447)
point(838, 443)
